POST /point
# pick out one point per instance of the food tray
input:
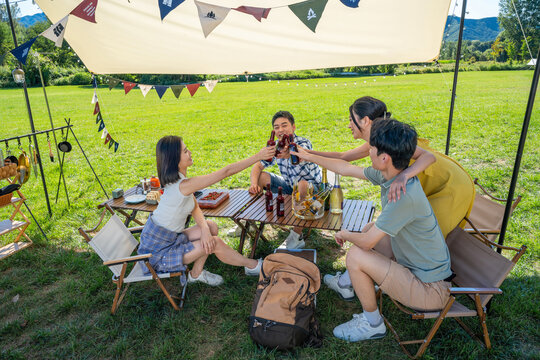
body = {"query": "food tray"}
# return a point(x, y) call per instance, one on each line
point(213, 199)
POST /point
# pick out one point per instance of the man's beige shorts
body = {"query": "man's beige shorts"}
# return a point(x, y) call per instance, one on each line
point(402, 285)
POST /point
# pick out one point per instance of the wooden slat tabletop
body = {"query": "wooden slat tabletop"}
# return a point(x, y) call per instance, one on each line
point(356, 214)
point(237, 199)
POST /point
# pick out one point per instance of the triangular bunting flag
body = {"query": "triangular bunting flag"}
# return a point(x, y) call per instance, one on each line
point(104, 133)
point(96, 108)
point(177, 89)
point(86, 10)
point(160, 89)
point(99, 118)
point(257, 12)
point(94, 81)
point(210, 16)
point(145, 89)
point(111, 142)
point(309, 12)
point(21, 51)
point(113, 83)
point(108, 137)
point(94, 98)
point(128, 86)
point(166, 6)
point(351, 3)
point(210, 84)
point(116, 146)
point(192, 88)
point(56, 31)
point(101, 126)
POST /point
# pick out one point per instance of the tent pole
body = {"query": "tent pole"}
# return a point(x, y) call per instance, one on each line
point(32, 127)
point(517, 163)
point(456, 70)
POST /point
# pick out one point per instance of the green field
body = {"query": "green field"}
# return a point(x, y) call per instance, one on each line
point(65, 294)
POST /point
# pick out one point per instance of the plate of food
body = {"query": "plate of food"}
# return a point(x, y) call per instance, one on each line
point(135, 199)
point(212, 199)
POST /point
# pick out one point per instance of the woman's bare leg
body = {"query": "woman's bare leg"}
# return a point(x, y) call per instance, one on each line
point(196, 257)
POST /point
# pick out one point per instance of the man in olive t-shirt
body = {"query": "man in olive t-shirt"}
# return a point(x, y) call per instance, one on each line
point(404, 251)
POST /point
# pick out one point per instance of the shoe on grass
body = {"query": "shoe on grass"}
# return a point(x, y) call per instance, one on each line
point(359, 329)
point(256, 270)
point(292, 241)
point(235, 231)
point(206, 277)
point(332, 281)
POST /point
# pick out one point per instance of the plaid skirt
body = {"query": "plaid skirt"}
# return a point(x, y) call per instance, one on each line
point(167, 248)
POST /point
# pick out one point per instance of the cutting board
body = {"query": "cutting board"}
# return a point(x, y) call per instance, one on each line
point(213, 199)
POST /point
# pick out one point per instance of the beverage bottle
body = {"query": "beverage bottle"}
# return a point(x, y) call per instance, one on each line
point(325, 185)
point(271, 141)
point(318, 200)
point(336, 198)
point(281, 144)
point(280, 203)
point(269, 199)
point(295, 160)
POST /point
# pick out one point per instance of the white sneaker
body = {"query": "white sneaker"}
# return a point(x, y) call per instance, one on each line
point(256, 270)
point(235, 232)
point(359, 329)
point(292, 241)
point(332, 281)
point(206, 277)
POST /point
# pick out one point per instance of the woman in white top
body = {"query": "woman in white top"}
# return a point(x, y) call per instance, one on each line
point(164, 236)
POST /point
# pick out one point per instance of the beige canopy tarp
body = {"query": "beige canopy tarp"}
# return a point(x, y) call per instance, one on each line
point(129, 37)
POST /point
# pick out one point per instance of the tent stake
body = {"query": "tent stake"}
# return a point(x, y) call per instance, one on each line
point(456, 70)
point(517, 163)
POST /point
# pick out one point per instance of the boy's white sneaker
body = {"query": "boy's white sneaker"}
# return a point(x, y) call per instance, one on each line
point(256, 270)
point(359, 329)
point(332, 281)
point(292, 241)
point(206, 277)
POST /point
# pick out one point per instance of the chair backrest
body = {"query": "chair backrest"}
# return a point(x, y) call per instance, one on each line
point(486, 213)
point(114, 241)
point(475, 264)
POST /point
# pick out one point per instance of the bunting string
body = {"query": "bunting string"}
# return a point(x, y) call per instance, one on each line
point(309, 12)
point(102, 128)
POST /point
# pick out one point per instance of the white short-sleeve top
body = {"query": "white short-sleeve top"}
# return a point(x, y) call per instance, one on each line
point(174, 207)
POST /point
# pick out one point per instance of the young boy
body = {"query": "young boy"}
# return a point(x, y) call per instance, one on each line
point(404, 251)
point(303, 173)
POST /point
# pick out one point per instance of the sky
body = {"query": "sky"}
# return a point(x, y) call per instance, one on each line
point(477, 9)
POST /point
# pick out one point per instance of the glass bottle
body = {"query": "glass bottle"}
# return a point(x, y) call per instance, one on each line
point(280, 203)
point(336, 198)
point(295, 160)
point(317, 202)
point(325, 185)
point(269, 199)
point(271, 142)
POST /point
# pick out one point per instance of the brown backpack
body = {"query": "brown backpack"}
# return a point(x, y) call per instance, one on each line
point(282, 315)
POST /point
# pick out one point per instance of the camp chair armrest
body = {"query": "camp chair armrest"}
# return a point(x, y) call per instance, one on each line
point(127, 259)
point(475, 290)
point(483, 231)
point(136, 229)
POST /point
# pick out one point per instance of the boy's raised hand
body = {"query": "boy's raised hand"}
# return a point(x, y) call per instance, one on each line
point(266, 153)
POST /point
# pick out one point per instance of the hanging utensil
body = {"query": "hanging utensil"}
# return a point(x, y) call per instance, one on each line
point(32, 156)
point(64, 146)
point(51, 156)
point(23, 169)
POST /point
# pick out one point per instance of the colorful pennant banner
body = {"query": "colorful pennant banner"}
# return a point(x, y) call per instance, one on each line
point(162, 89)
point(309, 12)
point(99, 119)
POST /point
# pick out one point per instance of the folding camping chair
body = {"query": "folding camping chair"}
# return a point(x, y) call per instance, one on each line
point(480, 270)
point(488, 212)
point(114, 244)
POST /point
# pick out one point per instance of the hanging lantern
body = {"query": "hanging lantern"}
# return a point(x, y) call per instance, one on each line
point(18, 75)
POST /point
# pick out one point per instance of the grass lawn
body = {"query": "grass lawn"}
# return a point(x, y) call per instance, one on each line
point(65, 294)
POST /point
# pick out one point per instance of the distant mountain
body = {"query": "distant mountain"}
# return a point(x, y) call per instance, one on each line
point(485, 29)
point(30, 20)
